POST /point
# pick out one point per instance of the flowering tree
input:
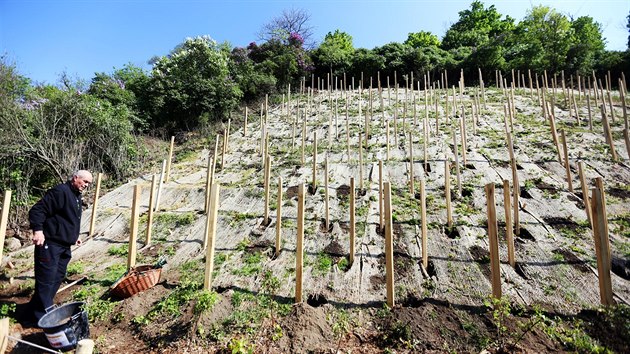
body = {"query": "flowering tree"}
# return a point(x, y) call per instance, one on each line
point(290, 22)
point(192, 85)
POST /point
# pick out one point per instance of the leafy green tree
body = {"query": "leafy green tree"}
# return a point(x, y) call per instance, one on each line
point(335, 52)
point(366, 61)
point(476, 27)
point(586, 46)
point(192, 85)
point(287, 60)
point(544, 39)
point(395, 58)
point(422, 39)
point(253, 79)
point(483, 34)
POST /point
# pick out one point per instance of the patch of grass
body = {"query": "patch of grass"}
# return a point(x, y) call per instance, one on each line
point(323, 263)
point(252, 265)
point(120, 251)
point(76, 267)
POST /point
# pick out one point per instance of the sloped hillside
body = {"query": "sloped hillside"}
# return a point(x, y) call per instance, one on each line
point(444, 307)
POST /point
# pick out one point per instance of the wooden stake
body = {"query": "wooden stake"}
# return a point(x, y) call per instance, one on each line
point(381, 211)
point(567, 166)
point(314, 181)
point(326, 207)
point(585, 198)
point(411, 186)
point(554, 135)
point(387, 141)
point(423, 208)
point(147, 238)
point(299, 249)
point(303, 141)
point(206, 204)
point(627, 140)
point(159, 192)
point(608, 133)
point(508, 222)
point(495, 270)
point(211, 231)
point(267, 177)
point(279, 216)
point(245, 123)
point(389, 245)
point(168, 163)
point(588, 104)
point(133, 234)
point(602, 243)
point(360, 162)
point(516, 184)
point(4, 219)
point(459, 180)
point(94, 204)
point(447, 194)
point(352, 220)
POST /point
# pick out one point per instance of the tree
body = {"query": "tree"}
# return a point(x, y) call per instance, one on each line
point(394, 56)
point(586, 46)
point(628, 27)
point(544, 38)
point(335, 52)
point(286, 60)
point(422, 39)
point(476, 27)
point(289, 21)
point(192, 85)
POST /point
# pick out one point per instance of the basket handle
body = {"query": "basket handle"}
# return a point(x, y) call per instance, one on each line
point(50, 308)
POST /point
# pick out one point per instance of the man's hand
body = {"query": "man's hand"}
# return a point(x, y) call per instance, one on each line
point(38, 238)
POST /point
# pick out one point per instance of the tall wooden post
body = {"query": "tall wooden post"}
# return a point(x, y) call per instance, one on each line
point(168, 163)
point(495, 270)
point(423, 206)
point(608, 133)
point(360, 162)
point(508, 222)
point(95, 203)
point(326, 207)
point(245, 123)
point(147, 238)
point(314, 182)
point(211, 231)
point(602, 243)
point(159, 192)
point(133, 234)
point(381, 211)
point(516, 186)
point(352, 219)
point(585, 198)
point(447, 194)
point(411, 187)
point(389, 245)
point(4, 218)
point(279, 217)
point(566, 160)
point(266, 219)
point(299, 249)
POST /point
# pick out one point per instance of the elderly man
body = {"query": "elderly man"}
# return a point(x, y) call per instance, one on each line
point(55, 221)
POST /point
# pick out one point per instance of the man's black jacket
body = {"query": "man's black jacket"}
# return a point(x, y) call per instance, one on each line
point(58, 214)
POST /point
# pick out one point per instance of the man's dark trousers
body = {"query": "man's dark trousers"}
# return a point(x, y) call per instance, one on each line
point(51, 261)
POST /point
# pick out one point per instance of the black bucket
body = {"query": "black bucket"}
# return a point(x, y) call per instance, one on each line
point(65, 325)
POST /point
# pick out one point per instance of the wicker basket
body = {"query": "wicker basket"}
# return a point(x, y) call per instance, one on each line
point(138, 279)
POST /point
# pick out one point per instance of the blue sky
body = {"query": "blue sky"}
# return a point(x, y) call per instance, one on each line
point(44, 38)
